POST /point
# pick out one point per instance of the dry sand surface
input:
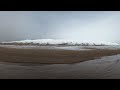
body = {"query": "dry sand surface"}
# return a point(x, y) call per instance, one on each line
point(46, 56)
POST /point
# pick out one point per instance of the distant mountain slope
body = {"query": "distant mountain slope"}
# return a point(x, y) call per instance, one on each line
point(58, 42)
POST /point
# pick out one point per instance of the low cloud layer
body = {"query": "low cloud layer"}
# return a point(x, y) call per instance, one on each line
point(92, 25)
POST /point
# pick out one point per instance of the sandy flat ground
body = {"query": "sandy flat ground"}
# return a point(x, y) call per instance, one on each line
point(59, 63)
point(105, 68)
point(52, 56)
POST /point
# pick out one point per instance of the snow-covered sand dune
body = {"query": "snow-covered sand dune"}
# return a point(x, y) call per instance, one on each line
point(64, 44)
point(60, 41)
point(76, 48)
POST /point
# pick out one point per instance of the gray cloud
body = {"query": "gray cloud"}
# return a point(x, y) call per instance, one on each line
point(59, 25)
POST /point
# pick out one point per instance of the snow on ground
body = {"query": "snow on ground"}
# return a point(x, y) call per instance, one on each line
point(104, 68)
point(60, 41)
point(45, 47)
point(61, 47)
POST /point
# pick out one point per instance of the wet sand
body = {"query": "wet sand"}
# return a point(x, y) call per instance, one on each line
point(104, 68)
point(47, 56)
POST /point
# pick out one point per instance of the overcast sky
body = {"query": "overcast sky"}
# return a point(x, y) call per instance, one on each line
point(78, 25)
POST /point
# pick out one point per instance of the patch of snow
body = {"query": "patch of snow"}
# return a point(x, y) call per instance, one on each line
point(60, 41)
